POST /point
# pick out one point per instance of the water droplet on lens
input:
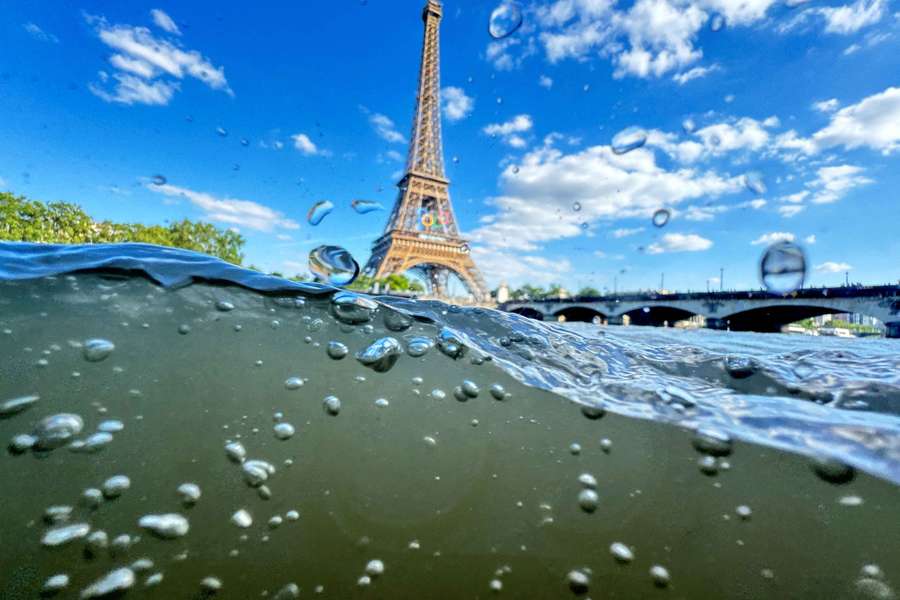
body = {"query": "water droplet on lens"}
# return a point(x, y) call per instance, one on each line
point(333, 264)
point(498, 392)
point(418, 346)
point(593, 412)
point(450, 344)
point(224, 306)
point(375, 568)
point(211, 585)
point(236, 451)
point(111, 426)
point(257, 472)
point(688, 125)
point(158, 180)
point(365, 206)
point(783, 267)
point(754, 182)
point(319, 211)
point(606, 445)
point(576, 206)
point(575, 449)
point(661, 217)
point(717, 22)
point(222, 131)
point(92, 497)
point(708, 465)
point(628, 139)
point(505, 19)
point(588, 481)
point(744, 512)
point(292, 383)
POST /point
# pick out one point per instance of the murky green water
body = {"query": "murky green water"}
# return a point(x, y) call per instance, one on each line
point(452, 496)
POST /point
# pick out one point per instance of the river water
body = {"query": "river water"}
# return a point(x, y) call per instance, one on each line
point(183, 428)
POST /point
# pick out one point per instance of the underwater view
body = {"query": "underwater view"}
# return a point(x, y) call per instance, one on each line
point(617, 317)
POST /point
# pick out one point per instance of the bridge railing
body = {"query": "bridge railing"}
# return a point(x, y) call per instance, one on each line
point(872, 291)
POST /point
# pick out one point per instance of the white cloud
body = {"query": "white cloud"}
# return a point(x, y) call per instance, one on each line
point(626, 232)
point(770, 238)
point(394, 155)
point(826, 106)
point(680, 242)
point(870, 40)
point(384, 127)
point(39, 34)
point(810, 239)
point(832, 183)
point(695, 73)
point(536, 204)
point(306, 145)
point(510, 130)
point(717, 139)
point(148, 66)
point(131, 89)
point(833, 267)
point(516, 268)
point(283, 237)
point(2, 183)
point(660, 34)
point(545, 82)
point(850, 18)
point(164, 21)
point(229, 210)
point(789, 210)
point(456, 104)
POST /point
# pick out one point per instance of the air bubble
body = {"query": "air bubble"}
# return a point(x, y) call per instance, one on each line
point(712, 442)
point(235, 451)
point(576, 206)
point(113, 583)
point(588, 500)
point(578, 581)
point(832, 471)
point(283, 431)
point(211, 585)
point(381, 354)
point(744, 512)
point(418, 346)
point(717, 22)
point(167, 526)
point(17, 405)
point(498, 392)
point(332, 405)
point(593, 412)
point(708, 465)
point(292, 383)
point(740, 367)
point(660, 576)
point(58, 536)
point(754, 182)
point(55, 584)
point(396, 321)
point(375, 568)
point(242, 519)
point(337, 350)
point(189, 493)
point(257, 472)
point(621, 552)
point(450, 344)
point(56, 430)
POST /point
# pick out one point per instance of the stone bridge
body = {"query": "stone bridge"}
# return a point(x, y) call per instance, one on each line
point(738, 311)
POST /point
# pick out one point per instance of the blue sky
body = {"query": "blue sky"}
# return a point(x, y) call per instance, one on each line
point(317, 98)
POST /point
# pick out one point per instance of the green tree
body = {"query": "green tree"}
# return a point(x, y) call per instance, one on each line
point(588, 291)
point(26, 220)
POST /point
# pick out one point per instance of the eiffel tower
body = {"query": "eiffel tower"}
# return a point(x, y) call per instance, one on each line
point(421, 233)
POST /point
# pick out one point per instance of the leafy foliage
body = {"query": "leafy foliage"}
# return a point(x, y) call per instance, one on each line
point(397, 283)
point(26, 220)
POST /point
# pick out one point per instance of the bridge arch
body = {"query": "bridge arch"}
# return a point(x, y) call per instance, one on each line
point(658, 315)
point(582, 314)
point(770, 319)
point(527, 311)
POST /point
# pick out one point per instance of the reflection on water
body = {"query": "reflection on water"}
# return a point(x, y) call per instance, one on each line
point(207, 439)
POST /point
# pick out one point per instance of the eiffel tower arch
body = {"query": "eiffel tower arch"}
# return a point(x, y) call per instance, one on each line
point(421, 233)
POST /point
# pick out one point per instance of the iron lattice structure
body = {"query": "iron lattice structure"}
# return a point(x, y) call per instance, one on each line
point(421, 233)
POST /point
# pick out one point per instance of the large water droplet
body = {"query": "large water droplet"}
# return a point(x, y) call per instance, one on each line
point(783, 267)
point(235, 451)
point(418, 346)
point(366, 206)
point(505, 19)
point(381, 354)
point(351, 308)
point(621, 552)
point(167, 526)
point(337, 350)
point(158, 180)
point(284, 431)
point(396, 321)
point(660, 576)
point(712, 442)
point(588, 500)
point(242, 519)
point(97, 349)
point(717, 22)
point(189, 493)
point(628, 139)
point(450, 344)
point(332, 405)
point(832, 471)
point(333, 264)
point(578, 581)
point(319, 211)
point(661, 217)
point(55, 584)
point(115, 486)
